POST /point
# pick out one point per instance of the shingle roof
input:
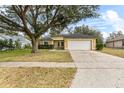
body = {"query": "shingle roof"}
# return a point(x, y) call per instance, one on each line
point(46, 38)
point(77, 36)
point(116, 38)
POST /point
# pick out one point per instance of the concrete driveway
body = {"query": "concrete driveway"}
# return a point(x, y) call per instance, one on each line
point(93, 59)
point(97, 70)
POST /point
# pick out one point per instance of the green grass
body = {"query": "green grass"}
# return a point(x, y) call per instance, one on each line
point(43, 56)
point(113, 51)
point(36, 77)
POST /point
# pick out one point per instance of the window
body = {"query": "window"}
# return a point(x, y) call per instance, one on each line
point(123, 43)
point(45, 43)
point(62, 43)
point(113, 44)
point(58, 44)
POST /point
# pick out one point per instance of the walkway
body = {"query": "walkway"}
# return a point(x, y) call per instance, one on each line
point(37, 64)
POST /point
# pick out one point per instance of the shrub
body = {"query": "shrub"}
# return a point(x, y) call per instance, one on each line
point(99, 46)
point(17, 44)
point(2, 44)
point(45, 46)
point(6, 44)
point(10, 44)
point(27, 46)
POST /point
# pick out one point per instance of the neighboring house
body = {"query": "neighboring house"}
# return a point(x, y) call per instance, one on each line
point(71, 42)
point(116, 42)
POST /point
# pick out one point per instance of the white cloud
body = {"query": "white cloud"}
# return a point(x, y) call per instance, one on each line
point(98, 23)
point(101, 27)
point(109, 22)
point(114, 19)
point(105, 34)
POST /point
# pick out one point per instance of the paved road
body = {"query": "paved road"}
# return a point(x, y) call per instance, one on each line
point(97, 69)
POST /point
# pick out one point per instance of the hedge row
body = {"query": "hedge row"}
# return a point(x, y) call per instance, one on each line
point(45, 47)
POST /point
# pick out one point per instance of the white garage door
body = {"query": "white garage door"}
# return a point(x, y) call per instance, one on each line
point(79, 45)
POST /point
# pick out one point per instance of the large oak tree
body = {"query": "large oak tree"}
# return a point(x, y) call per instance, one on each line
point(34, 20)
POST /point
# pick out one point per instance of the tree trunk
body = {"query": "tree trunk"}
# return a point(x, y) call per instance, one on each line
point(34, 46)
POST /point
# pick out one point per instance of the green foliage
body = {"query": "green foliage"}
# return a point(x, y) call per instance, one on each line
point(6, 44)
point(99, 46)
point(99, 42)
point(8, 32)
point(17, 44)
point(11, 44)
point(45, 46)
point(27, 46)
point(41, 18)
point(2, 43)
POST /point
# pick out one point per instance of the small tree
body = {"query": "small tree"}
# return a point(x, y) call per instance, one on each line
point(4, 44)
point(1, 44)
point(10, 44)
point(17, 44)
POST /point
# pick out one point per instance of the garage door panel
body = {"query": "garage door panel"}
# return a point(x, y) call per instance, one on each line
point(79, 45)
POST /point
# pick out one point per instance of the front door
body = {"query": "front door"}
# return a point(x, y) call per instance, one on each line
point(59, 44)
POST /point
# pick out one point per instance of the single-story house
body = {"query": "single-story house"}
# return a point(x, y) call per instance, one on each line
point(116, 42)
point(71, 42)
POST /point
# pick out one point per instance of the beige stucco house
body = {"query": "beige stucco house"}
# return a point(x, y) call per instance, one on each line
point(71, 42)
point(116, 42)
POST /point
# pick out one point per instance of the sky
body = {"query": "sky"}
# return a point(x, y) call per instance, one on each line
point(111, 20)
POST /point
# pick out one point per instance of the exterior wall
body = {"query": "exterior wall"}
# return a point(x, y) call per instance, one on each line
point(93, 42)
point(49, 42)
point(65, 44)
point(118, 44)
point(115, 44)
point(110, 44)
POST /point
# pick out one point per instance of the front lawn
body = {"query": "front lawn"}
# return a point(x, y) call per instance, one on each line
point(36, 77)
point(43, 56)
point(113, 51)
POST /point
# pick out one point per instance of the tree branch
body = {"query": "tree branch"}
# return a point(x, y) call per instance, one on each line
point(48, 25)
point(22, 15)
point(9, 22)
